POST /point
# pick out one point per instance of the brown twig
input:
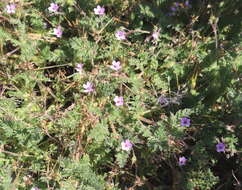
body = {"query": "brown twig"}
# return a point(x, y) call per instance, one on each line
point(148, 121)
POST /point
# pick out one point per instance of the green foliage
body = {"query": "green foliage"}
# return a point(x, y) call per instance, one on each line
point(53, 135)
point(81, 174)
point(203, 180)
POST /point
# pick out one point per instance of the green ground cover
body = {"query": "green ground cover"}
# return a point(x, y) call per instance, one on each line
point(120, 94)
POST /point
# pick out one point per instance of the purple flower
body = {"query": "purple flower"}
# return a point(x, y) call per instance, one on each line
point(88, 87)
point(162, 100)
point(120, 35)
point(126, 145)
point(115, 65)
point(58, 32)
point(53, 7)
point(185, 122)
point(187, 4)
point(220, 147)
point(11, 8)
point(99, 10)
point(79, 67)
point(182, 161)
point(173, 9)
point(119, 100)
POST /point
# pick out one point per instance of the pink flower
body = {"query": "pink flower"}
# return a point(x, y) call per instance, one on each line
point(119, 100)
point(11, 8)
point(126, 145)
point(120, 35)
point(58, 32)
point(115, 65)
point(155, 35)
point(99, 10)
point(53, 7)
point(79, 67)
point(182, 161)
point(88, 87)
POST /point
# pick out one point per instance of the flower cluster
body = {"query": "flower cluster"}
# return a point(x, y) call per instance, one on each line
point(126, 104)
point(120, 35)
point(99, 10)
